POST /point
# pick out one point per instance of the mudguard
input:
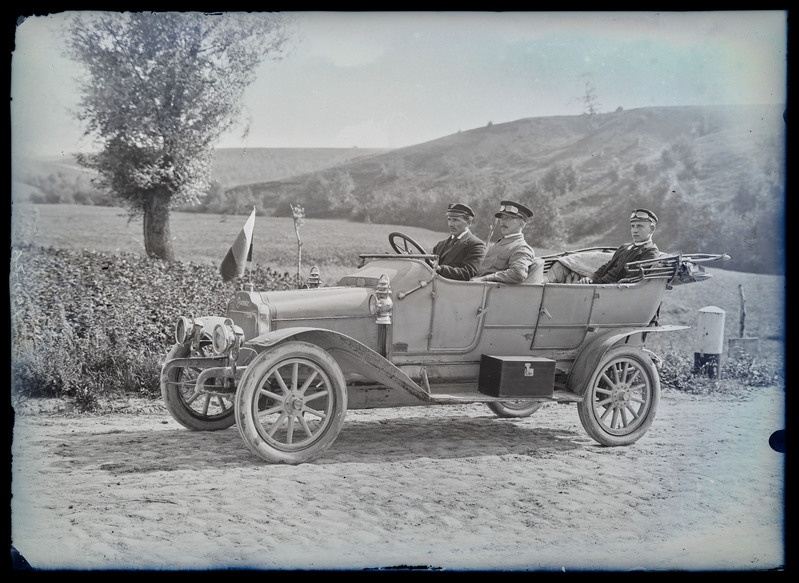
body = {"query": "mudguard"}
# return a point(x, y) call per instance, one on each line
point(350, 354)
point(588, 359)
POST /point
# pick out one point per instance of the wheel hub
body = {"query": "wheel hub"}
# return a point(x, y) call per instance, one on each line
point(621, 396)
point(293, 405)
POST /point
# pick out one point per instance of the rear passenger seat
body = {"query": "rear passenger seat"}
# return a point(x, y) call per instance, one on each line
point(536, 272)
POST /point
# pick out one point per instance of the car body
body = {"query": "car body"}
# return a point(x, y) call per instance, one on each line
point(285, 366)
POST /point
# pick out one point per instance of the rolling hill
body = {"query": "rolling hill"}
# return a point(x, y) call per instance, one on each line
point(715, 176)
point(232, 166)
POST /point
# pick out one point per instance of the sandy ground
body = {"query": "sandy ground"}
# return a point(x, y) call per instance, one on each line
point(437, 488)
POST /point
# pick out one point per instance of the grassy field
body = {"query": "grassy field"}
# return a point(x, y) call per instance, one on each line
point(205, 238)
point(334, 246)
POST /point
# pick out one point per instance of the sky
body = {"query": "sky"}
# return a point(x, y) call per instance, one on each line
point(396, 79)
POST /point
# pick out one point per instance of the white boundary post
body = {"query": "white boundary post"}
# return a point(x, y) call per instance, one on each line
point(710, 341)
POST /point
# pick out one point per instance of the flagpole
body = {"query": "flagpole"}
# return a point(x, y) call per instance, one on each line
point(489, 243)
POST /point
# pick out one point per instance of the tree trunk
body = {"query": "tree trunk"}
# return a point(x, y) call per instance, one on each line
point(157, 240)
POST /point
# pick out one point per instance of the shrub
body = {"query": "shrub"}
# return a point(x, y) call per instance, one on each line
point(87, 325)
point(736, 374)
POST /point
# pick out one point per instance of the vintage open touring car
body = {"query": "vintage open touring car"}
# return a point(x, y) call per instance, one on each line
point(284, 366)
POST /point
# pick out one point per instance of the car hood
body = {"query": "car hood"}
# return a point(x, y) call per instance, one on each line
point(322, 302)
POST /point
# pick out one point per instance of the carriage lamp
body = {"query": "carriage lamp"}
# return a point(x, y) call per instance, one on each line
point(313, 278)
point(186, 330)
point(380, 303)
point(226, 336)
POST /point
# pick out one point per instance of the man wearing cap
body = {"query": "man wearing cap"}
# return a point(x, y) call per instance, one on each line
point(509, 259)
point(462, 252)
point(642, 227)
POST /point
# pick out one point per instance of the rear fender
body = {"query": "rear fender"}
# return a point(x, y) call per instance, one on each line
point(588, 359)
point(350, 354)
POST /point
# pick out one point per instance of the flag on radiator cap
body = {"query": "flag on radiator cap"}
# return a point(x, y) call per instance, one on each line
point(240, 253)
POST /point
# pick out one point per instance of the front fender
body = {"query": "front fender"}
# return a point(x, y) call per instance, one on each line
point(350, 354)
point(588, 359)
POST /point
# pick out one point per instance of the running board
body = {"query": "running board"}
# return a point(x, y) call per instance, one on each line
point(557, 397)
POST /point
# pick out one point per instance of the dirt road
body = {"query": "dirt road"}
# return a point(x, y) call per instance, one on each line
point(441, 488)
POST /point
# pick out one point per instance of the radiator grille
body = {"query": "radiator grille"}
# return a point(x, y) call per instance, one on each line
point(247, 322)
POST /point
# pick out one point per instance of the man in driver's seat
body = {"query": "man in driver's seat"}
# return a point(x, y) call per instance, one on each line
point(462, 252)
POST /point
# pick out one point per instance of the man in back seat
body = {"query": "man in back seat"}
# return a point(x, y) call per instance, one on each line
point(642, 227)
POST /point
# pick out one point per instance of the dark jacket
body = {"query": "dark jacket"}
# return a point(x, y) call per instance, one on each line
point(460, 259)
point(614, 269)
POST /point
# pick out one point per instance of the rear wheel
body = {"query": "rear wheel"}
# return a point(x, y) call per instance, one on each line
point(291, 403)
point(622, 397)
point(514, 408)
point(199, 411)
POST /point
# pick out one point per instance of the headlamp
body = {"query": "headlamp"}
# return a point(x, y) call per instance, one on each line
point(185, 330)
point(225, 336)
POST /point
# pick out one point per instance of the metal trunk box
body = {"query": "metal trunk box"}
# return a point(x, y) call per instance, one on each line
point(516, 376)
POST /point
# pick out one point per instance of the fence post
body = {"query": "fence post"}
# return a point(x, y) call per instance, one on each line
point(710, 341)
point(742, 344)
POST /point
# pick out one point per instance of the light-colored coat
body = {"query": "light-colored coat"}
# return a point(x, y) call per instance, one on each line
point(508, 260)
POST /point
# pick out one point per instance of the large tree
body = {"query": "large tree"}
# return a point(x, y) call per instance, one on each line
point(158, 91)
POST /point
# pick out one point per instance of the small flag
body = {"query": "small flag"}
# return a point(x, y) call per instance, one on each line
point(240, 253)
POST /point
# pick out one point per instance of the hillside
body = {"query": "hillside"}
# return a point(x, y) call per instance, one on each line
point(714, 175)
point(236, 166)
point(232, 166)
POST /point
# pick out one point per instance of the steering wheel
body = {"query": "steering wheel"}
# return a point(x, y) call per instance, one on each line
point(404, 245)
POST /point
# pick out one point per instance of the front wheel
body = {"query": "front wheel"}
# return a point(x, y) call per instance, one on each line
point(622, 397)
point(291, 403)
point(209, 410)
point(510, 409)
